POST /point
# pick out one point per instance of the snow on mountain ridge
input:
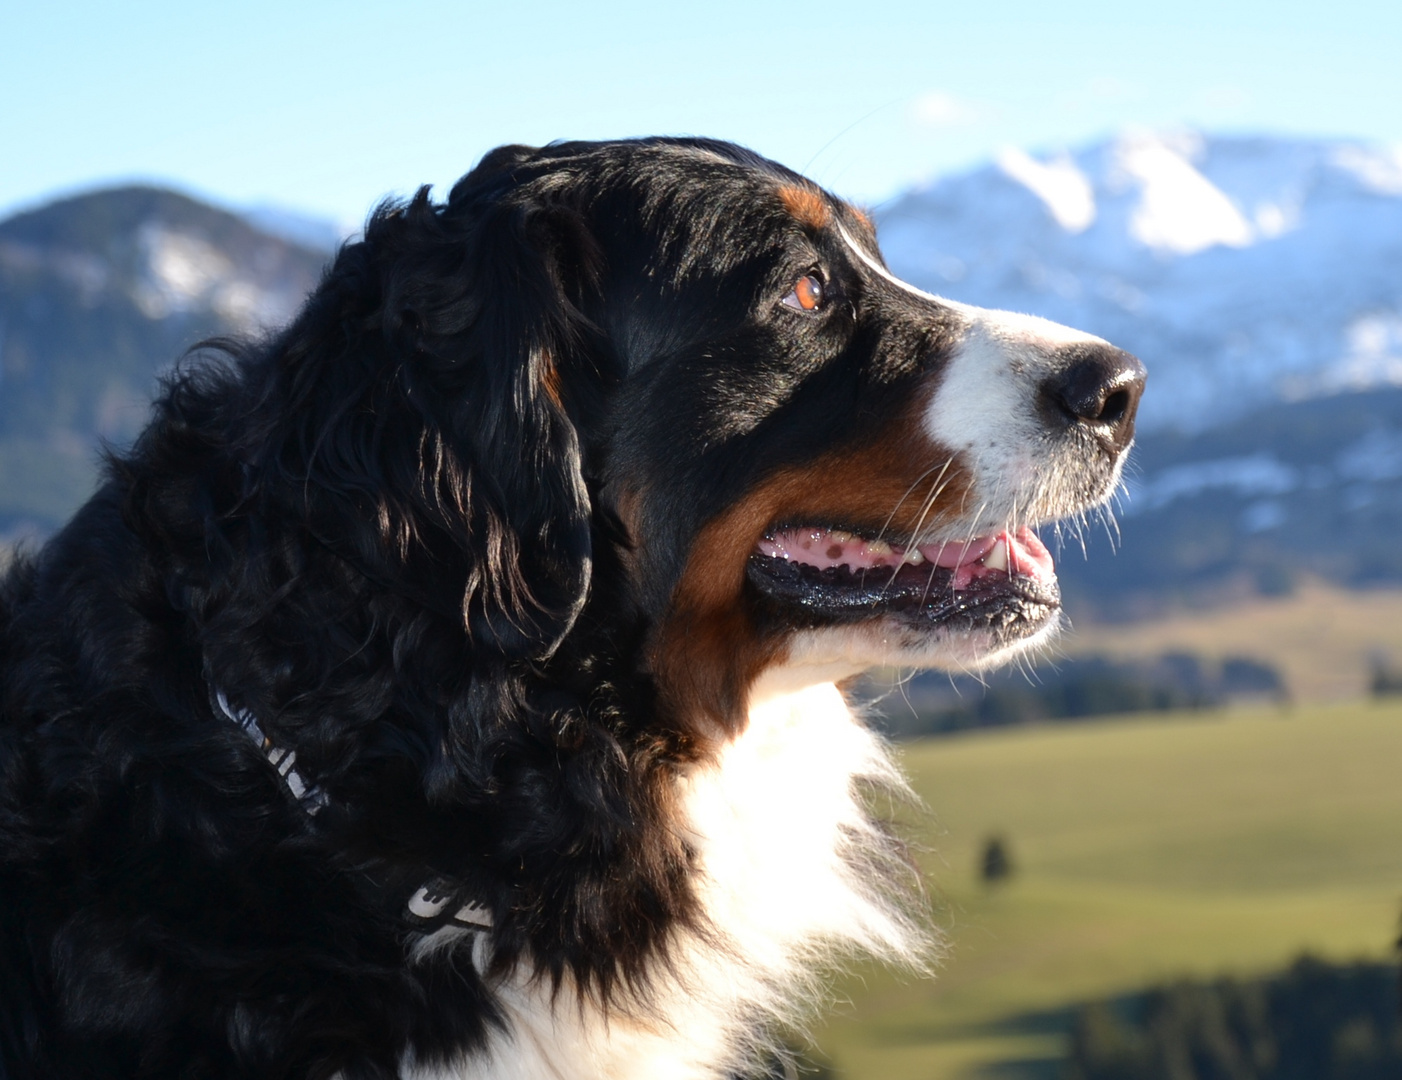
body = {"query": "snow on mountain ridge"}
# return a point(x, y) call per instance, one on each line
point(184, 272)
point(1379, 168)
point(1180, 211)
point(1242, 270)
point(1064, 189)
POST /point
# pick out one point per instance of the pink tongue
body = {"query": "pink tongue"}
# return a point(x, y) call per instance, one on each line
point(960, 552)
point(1028, 555)
point(826, 548)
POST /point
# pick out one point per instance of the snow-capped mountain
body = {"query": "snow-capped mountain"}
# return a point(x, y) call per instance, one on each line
point(1243, 271)
point(1257, 278)
point(1296, 489)
point(100, 292)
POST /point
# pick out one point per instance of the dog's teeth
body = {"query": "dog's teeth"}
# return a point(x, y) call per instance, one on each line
point(997, 559)
point(878, 547)
point(914, 557)
point(839, 536)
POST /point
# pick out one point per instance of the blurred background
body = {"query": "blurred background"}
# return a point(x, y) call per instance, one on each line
point(1174, 848)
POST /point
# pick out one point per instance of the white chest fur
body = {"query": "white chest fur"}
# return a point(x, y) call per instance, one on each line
point(793, 874)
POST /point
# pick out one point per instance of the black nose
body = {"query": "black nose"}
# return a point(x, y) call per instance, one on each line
point(1097, 386)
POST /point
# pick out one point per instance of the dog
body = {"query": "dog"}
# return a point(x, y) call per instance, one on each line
point(448, 686)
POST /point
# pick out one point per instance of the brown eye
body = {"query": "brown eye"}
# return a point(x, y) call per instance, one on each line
point(807, 294)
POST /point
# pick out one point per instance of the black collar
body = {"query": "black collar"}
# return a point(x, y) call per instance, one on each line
point(433, 905)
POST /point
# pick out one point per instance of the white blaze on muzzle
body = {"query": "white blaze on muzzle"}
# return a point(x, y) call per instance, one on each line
point(985, 407)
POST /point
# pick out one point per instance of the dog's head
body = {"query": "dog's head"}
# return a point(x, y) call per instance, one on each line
point(690, 366)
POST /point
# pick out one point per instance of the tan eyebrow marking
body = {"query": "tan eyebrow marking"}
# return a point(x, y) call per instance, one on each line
point(806, 205)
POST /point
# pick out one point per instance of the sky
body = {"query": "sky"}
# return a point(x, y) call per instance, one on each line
point(326, 107)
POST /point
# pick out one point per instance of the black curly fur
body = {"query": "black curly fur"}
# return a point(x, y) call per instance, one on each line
point(384, 532)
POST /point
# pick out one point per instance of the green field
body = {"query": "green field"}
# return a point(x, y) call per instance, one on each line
point(1144, 850)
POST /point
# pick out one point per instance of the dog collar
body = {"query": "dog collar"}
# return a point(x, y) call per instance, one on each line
point(434, 905)
point(438, 904)
point(311, 798)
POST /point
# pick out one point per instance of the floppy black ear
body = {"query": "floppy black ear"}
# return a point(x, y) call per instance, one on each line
point(509, 370)
point(440, 413)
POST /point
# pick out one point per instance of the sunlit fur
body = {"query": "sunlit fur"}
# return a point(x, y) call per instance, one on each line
point(792, 873)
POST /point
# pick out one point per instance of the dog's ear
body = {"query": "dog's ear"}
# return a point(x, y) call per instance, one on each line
point(511, 369)
point(447, 422)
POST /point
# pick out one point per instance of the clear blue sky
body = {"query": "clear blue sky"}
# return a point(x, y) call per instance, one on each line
point(325, 107)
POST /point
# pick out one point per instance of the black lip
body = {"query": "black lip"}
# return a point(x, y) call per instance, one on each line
point(920, 596)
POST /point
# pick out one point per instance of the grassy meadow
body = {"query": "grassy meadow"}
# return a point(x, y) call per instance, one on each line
point(1185, 845)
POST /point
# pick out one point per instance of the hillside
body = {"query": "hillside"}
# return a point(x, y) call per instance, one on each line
point(1142, 852)
point(100, 292)
point(1323, 640)
point(1294, 490)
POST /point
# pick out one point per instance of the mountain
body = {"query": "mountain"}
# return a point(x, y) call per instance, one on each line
point(1259, 279)
point(1297, 488)
point(98, 294)
point(1243, 271)
point(302, 229)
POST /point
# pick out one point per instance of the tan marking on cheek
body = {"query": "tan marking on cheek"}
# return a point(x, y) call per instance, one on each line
point(862, 216)
point(708, 651)
point(807, 206)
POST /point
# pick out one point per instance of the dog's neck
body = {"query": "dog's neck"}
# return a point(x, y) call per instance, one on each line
point(792, 872)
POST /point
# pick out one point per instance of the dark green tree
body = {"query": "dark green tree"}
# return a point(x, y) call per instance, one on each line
point(996, 865)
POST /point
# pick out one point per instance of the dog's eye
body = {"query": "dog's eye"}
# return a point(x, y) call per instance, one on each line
point(807, 293)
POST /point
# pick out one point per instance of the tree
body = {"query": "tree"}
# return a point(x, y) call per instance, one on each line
point(996, 865)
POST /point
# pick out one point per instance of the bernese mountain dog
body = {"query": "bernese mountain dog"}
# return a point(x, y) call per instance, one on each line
point(449, 685)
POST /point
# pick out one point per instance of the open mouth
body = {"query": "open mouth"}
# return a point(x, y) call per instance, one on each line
point(1003, 581)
